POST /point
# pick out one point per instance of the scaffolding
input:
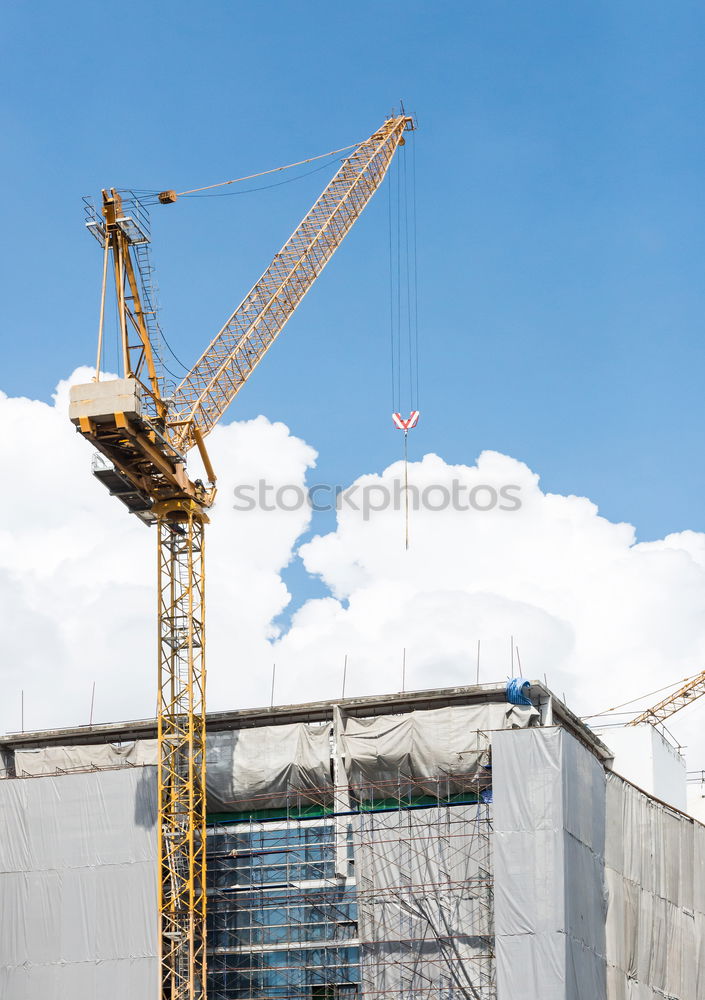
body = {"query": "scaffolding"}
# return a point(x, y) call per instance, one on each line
point(376, 889)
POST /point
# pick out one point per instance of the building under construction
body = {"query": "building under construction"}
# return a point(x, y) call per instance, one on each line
point(446, 843)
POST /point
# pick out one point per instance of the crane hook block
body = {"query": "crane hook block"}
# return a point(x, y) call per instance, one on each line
point(167, 197)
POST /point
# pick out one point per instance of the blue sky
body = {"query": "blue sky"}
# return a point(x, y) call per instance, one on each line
point(560, 219)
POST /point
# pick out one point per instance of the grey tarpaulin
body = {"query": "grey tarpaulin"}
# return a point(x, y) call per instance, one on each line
point(51, 760)
point(549, 829)
point(655, 866)
point(599, 889)
point(424, 744)
point(246, 768)
point(78, 880)
point(424, 902)
point(259, 768)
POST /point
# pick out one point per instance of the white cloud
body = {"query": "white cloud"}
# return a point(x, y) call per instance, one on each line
point(605, 618)
point(77, 574)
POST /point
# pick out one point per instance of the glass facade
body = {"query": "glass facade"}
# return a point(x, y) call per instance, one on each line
point(279, 923)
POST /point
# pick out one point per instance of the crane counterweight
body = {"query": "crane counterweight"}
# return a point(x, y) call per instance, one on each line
point(112, 416)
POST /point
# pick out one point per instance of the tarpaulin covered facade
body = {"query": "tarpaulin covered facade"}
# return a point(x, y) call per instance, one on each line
point(422, 866)
point(78, 886)
point(259, 768)
point(599, 889)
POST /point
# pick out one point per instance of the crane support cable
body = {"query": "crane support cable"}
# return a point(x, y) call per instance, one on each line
point(101, 320)
point(262, 187)
point(204, 395)
point(625, 704)
point(272, 170)
point(686, 681)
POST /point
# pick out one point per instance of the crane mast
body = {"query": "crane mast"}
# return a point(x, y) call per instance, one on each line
point(144, 437)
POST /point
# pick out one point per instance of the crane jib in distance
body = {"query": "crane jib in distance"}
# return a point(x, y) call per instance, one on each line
point(689, 691)
point(145, 435)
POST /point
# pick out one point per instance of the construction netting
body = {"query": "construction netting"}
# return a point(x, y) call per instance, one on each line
point(389, 897)
point(424, 896)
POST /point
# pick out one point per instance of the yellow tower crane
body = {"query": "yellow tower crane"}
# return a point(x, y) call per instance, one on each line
point(145, 436)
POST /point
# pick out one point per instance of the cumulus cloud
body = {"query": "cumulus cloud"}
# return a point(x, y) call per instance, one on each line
point(604, 617)
point(77, 574)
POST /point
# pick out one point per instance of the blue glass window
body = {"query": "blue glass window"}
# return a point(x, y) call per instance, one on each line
point(270, 934)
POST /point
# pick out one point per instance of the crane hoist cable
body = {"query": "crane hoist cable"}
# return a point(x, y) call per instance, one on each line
point(403, 310)
point(415, 269)
point(403, 286)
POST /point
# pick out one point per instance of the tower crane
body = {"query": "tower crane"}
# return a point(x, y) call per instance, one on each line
point(145, 436)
